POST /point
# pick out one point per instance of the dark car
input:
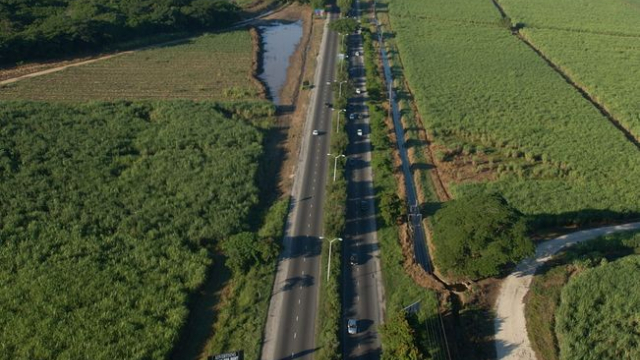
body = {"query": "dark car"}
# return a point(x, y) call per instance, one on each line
point(364, 205)
point(353, 259)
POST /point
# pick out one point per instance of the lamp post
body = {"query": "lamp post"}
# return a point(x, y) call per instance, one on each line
point(335, 164)
point(329, 265)
point(340, 87)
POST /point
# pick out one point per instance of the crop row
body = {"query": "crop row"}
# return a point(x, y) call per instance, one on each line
point(477, 84)
point(214, 66)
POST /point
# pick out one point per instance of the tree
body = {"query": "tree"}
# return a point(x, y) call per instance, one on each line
point(317, 4)
point(476, 236)
point(399, 339)
point(344, 25)
point(345, 5)
point(245, 249)
point(392, 207)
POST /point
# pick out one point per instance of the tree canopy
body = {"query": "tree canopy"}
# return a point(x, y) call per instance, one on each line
point(51, 28)
point(476, 236)
point(344, 25)
point(399, 338)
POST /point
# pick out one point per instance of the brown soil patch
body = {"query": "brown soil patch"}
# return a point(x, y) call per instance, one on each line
point(412, 268)
point(462, 167)
point(255, 63)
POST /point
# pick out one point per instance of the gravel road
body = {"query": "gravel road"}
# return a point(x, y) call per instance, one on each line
point(512, 342)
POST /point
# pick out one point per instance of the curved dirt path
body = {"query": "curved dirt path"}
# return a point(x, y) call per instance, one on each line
point(120, 53)
point(511, 340)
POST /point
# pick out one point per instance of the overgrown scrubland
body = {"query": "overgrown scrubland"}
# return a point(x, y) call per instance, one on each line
point(483, 92)
point(107, 214)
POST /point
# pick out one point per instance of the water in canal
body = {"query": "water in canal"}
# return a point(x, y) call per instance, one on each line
point(279, 41)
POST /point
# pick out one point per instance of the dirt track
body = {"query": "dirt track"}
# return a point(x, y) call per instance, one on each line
point(512, 342)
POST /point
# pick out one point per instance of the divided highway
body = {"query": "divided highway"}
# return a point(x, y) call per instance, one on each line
point(290, 329)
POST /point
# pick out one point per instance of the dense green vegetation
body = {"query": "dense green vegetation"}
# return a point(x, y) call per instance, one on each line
point(597, 316)
point(344, 25)
point(106, 214)
point(593, 42)
point(616, 17)
point(242, 316)
point(476, 236)
point(179, 71)
point(329, 321)
point(544, 295)
point(400, 289)
point(606, 66)
point(399, 339)
point(481, 90)
point(51, 28)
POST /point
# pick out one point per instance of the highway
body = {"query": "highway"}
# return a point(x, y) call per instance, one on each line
point(290, 329)
point(362, 287)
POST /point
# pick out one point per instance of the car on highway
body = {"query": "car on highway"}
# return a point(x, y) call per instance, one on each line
point(315, 132)
point(353, 259)
point(359, 132)
point(358, 91)
point(352, 326)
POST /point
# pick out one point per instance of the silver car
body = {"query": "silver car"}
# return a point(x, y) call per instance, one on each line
point(352, 326)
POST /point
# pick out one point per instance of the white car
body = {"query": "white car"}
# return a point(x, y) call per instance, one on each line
point(352, 326)
point(315, 132)
point(359, 132)
point(357, 53)
point(358, 91)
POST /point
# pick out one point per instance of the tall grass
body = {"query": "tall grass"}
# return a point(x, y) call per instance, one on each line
point(476, 83)
point(544, 295)
point(109, 211)
point(209, 67)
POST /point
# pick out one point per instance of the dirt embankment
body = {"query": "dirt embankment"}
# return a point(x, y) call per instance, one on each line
point(295, 101)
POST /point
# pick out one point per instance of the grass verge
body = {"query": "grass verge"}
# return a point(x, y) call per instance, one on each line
point(400, 289)
point(330, 309)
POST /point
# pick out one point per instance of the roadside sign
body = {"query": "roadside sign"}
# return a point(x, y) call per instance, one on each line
point(235, 355)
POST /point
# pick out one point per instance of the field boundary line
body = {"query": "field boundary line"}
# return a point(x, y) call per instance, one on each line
point(581, 90)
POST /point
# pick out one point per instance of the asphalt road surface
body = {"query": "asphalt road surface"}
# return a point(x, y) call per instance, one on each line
point(290, 328)
point(415, 221)
point(362, 287)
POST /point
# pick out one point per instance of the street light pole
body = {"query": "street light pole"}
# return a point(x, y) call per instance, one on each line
point(335, 164)
point(329, 265)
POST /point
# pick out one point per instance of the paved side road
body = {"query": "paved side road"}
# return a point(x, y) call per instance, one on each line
point(290, 329)
point(362, 286)
point(512, 341)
